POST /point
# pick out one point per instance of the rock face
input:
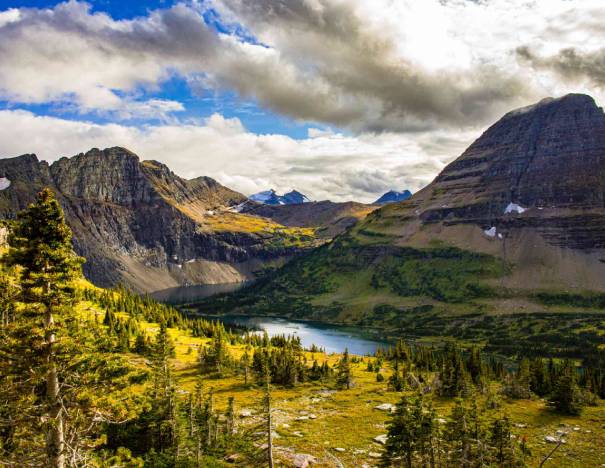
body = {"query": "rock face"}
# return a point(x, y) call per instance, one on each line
point(547, 159)
point(140, 224)
point(531, 189)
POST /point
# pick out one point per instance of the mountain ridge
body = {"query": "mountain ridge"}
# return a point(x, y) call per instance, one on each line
point(140, 224)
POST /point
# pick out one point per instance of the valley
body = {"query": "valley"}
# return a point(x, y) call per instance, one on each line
point(302, 234)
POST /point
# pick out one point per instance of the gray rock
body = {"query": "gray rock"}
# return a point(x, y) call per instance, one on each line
point(303, 460)
point(385, 407)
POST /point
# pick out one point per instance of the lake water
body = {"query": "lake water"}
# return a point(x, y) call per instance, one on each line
point(334, 339)
point(184, 294)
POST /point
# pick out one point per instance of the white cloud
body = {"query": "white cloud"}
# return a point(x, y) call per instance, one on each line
point(328, 166)
point(360, 64)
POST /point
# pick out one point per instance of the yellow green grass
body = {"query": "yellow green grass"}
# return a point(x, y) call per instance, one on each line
point(347, 419)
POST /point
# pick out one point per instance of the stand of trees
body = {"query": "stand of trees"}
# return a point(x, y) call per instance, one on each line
point(468, 438)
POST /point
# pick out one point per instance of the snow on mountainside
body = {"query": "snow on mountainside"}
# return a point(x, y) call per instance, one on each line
point(393, 196)
point(270, 197)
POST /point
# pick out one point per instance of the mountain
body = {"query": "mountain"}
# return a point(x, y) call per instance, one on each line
point(505, 245)
point(140, 224)
point(270, 197)
point(329, 218)
point(393, 196)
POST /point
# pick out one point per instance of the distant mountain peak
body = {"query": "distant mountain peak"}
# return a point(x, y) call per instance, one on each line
point(270, 197)
point(393, 196)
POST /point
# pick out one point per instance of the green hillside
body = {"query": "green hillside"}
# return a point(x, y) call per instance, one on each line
point(428, 293)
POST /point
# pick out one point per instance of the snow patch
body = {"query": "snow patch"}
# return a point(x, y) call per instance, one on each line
point(238, 208)
point(262, 197)
point(491, 232)
point(514, 208)
point(4, 183)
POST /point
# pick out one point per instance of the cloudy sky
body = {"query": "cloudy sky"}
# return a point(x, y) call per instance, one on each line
point(341, 99)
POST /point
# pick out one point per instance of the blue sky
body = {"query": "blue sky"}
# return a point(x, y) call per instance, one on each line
point(124, 9)
point(196, 105)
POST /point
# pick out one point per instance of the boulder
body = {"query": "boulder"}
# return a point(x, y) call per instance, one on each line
point(303, 460)
point(385, 407)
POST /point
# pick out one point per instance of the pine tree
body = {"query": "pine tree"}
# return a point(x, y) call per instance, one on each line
point(344, 378)
point(52, 368)
point(540, 380)
point(269, 417)
point(245, 364)
point(41, 246)
point(216, 357)
point(412, 433)
point(501, 441)
point(459, 435)
point(566, 396)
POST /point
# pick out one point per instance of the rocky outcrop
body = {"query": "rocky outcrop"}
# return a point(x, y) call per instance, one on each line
point(140, 224)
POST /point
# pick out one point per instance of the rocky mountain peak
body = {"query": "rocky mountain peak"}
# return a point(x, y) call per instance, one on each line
point(541, 166)
point(545, 155)
point(111, 175)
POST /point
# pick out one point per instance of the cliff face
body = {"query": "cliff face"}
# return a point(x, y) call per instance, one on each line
point(140, 224)
point(541, 167)
point(531, 189)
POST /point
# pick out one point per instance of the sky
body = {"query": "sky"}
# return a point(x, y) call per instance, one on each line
point(339, 99)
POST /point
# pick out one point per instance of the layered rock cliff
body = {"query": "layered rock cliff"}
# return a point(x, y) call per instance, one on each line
point(531, 190)
point(140, 224)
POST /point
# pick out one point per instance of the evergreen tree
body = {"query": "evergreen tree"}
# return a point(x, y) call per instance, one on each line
point(502, 443)
point(458, 435)
point(454, 377)
point(566, 396)
point(245, 365)
point(412, 434)
point(269, 417)
point(215, 358)
point(540, 382)
point(58, 383)
point(344, 377)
